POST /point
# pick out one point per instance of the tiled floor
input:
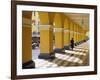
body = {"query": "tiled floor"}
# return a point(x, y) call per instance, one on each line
point(78, 57)
point(35, 53)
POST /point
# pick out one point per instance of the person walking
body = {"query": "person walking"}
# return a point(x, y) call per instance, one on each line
point(72, 43)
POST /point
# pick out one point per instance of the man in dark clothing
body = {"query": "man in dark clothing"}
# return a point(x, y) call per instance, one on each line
point(72, 43)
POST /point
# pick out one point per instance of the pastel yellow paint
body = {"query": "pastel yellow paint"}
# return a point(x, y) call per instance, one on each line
point(46, 40)
point(26, 44)
point(66, 37)
point(58, 25)
point(57, 21)
point(59, 39)
point(26, 36)
point(44, 18)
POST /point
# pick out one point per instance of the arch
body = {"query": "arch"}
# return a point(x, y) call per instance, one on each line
point(66, 23)
point(44, 18)
point(57, 21)
point(51, 17)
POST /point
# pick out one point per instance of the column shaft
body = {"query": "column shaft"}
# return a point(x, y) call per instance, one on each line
point(66, 39)
point(58, 39)
point(46, 42)
point(27, 40)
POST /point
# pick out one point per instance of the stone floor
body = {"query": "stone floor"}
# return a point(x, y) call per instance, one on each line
point(37, 52)
point(79, 56)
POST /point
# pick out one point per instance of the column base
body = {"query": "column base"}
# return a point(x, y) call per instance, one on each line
point(28, 65)
point(46, 56)
point(77, 43)
point(66, 47)
point(59, 50)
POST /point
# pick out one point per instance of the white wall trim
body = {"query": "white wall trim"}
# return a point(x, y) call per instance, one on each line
point(58, 29)
point(44, 27)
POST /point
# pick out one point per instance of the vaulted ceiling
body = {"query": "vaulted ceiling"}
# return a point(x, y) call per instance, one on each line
point(81, 19)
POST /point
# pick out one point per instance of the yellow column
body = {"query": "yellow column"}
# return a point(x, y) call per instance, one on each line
point(58, 39)
point(27, 40)
point(78, 34)
point(66, 34)
point(84, 35)
point(71, 30)
point(81, 34)
point(58, 31)
point(75, 34)
point(46, 37)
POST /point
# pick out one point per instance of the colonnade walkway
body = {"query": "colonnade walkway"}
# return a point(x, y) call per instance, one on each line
point(55, 32)
point(79, 56)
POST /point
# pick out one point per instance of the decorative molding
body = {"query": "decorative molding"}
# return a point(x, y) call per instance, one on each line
point(45, 27)
point(66, 30)
point(58, 29)
point(71, 31)
point(78, 33)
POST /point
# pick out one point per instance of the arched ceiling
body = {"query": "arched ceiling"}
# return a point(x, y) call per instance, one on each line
point(79, 18)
